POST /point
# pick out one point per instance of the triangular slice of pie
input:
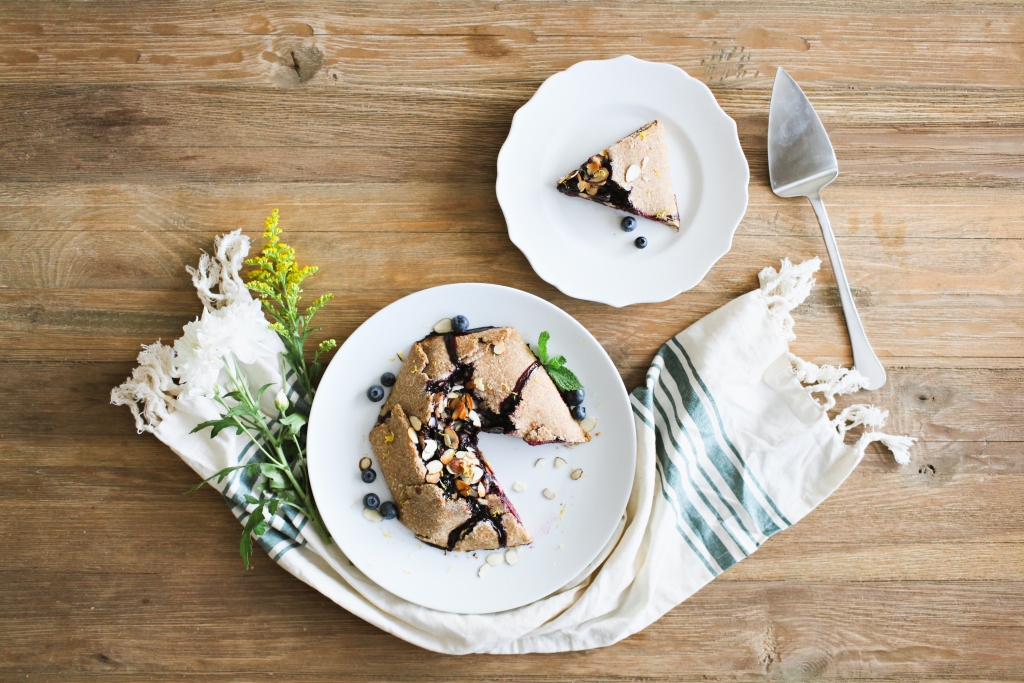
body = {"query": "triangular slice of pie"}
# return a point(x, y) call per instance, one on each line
point(632, 175)
point(451, 387)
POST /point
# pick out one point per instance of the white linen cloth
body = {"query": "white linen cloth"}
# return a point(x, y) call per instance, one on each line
point(731, 449)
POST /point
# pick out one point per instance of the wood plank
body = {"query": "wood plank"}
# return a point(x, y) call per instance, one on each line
point(159, 134)
point(731, 631)
point(855, 210)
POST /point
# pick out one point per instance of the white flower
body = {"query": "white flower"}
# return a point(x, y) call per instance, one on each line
point(198, 359)
point(281, 401)
point(238, 329)
point(245, 332)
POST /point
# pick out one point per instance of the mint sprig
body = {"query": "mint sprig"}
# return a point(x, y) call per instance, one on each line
point(564, 378)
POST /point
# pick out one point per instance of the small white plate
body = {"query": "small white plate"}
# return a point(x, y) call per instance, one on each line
point(577, 245)
point(568, 532)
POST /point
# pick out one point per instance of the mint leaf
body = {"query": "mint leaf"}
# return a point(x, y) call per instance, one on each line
point(564, 378)
point(542, 347)
point(556, 362)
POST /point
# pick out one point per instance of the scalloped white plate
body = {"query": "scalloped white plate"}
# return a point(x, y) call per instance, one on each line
point(569, 532)
point(577, 245)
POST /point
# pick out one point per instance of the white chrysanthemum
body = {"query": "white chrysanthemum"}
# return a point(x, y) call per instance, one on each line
point(198, 356)
point(239, 329)
point(245, 332)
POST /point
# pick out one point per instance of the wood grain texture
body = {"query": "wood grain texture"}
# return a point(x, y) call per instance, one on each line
point(131, 133)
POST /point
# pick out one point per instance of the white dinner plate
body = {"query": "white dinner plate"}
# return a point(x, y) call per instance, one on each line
point(569, 532)
point(577, 245)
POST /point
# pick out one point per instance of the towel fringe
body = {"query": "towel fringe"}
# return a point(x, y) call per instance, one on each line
point(873, 419)
point(222, 271)
point(149, 393)
point(828, 380)
point(786, 289)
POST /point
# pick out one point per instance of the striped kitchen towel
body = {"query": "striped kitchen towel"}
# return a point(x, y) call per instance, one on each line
point(732, 448)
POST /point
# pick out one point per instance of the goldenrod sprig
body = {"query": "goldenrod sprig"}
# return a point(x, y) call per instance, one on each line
point(277, 280)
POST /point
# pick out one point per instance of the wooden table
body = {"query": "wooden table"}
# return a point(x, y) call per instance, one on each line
point(132, 133)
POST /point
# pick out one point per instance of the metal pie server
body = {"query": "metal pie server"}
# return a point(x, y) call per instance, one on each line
point(801, 162)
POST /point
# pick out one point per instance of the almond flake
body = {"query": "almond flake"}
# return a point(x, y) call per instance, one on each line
point(372, 515)
point(576, 474)
point(475, 419)
point(540, 461)
point(443, 326)
point(559, 463)
point(632, 173)
point(549, 494)
point(643, 164)
point(412, 435)
point(365, 463)
point(447, 456)
point(588, 424)
point(499, 348)
point(434, 466)
point(481, 490)
point(483, 570)
point(511, 556)
point(415, 422)
point(475, 474)
point(433, 477)
point(429, 448)
point(519, 486)
point(494, 559)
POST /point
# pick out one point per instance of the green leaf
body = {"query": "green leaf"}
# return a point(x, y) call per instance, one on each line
point(259, 394)
point(251, 526)
point(252, 500)
point(274, 476)
point(556, 362)
point(564, 378)
point(218, 426)
point(542, 347)
point(294, 421)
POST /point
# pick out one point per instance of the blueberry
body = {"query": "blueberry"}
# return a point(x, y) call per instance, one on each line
point(388, 510)
point(628, 223)
point(573, 398)
point(579, 412)
point(368, 476)
point(640, 242)
point(388, 379)
point(460, 323)
point(371, 500)
point(375, 393)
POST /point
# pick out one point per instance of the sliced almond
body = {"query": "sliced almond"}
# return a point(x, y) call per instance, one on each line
point(549, 494)
point(365, 463)
point(415, 422)
point(559, 463)
point(451, 439)
point(481, 490)
point(475, 474)
point(499, 348)
point(519, 486)
point(540, 461)
point(434, 466)
point(372, 515)
point(576, 474)
point(593, 164)
point(512, 556)
point(588, 424)
point(447, 456)
point(643, 163)
point(429, 449)
point(483, 570)
point(413, 435)
point(468, 400)
point(475, 419)
point(494, 559)
point(433, 477)
point(443, 326)
point(471, 384)
point(462, 487)
point(457, 387)
point(632, 173)
point(456, 467)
